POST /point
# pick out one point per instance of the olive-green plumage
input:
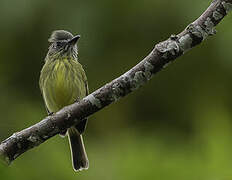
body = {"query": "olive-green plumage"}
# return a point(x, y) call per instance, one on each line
point(62, 82)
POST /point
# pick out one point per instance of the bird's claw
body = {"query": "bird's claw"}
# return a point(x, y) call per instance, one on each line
point(50, 113)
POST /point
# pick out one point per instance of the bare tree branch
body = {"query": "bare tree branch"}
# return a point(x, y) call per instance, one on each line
point(163, 53)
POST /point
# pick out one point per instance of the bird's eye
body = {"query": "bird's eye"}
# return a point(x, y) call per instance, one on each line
point(58, 44)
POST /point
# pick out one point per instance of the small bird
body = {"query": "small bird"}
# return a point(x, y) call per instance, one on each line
point(62, 82)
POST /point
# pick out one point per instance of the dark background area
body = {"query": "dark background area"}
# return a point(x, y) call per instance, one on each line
point(178, 126)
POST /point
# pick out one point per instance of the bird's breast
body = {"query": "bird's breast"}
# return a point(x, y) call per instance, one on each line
point(63, 85)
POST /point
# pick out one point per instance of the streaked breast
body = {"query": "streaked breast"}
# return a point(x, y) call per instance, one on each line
point(64, 85)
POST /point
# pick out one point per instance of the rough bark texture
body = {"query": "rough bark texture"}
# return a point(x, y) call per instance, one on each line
point(163, 53)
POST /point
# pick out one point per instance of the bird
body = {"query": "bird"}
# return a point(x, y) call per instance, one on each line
point(62, 82)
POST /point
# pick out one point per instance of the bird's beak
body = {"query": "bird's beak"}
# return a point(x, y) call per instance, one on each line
point(74, 40)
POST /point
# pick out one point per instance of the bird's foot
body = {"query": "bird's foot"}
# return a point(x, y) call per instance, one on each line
point(50, 113)
point(77, 100)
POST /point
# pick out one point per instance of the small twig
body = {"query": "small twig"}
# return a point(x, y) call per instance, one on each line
point(163, 53)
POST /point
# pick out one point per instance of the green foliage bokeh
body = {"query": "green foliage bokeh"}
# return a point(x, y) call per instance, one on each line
point(178, 126)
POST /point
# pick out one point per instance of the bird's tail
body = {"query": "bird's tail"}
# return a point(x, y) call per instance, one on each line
point(79, 157)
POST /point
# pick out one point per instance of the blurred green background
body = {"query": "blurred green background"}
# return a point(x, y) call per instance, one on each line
point(177, 127)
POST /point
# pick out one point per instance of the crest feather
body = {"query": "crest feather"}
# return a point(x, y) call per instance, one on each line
point(60, 35)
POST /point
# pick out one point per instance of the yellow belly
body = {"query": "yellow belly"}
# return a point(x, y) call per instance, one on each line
point(64, 85)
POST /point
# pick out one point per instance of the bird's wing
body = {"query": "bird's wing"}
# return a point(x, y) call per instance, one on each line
point(82, 125)
point(44, 73)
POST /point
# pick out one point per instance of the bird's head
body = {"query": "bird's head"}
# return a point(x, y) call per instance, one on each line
point(63, 43)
